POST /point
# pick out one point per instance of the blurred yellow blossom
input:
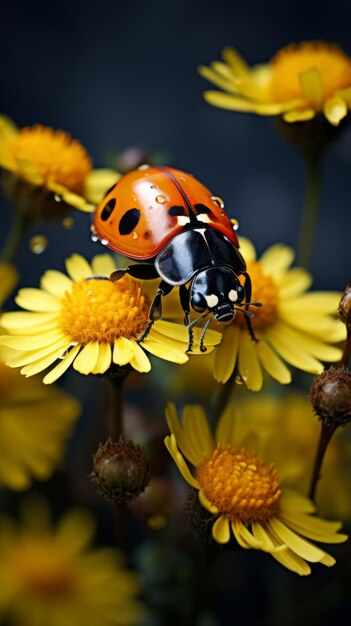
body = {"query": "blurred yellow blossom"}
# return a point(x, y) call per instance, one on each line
point(300, 81)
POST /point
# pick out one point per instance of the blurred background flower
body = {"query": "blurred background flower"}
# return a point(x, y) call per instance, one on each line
point(51, 576)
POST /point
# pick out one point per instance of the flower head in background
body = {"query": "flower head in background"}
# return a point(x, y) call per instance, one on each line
point(242, 491)
point(299, 82)
point(292, 326)
point(35, 424)
point(8, 280)
point(90, 322)
point(291, 415)
point(51, 159)
point(51, 577)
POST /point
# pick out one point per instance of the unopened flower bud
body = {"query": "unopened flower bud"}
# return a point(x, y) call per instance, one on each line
point(121, 470)
point(345, 307)
point(331, 396)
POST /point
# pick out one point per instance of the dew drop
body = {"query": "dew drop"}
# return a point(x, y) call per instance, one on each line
point(58, 197)
point(94, 238)
point(64, 354)
point(134, 198)
point(135, 235)
point(160, 199)
point(144, 166)
point(68, 222)
point(150, 207)
point(235, 224)
point(105, 242)
point(239, 379)
point(218, 201)
point(153, 187)
point(38, 244)
point(182, 178)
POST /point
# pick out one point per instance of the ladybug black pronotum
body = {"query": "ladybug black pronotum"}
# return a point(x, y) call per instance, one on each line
point(168, 220)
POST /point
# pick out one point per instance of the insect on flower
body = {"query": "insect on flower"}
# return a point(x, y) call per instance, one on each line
point(173, 224)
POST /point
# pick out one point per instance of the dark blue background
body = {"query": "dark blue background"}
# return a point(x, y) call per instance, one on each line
point(115, 74)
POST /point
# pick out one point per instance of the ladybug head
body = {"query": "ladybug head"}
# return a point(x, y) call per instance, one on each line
point(218, 290)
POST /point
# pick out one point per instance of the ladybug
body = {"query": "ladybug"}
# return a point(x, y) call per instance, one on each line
point(177, 229)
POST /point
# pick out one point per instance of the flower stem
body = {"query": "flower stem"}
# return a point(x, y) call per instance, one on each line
point(14, 238)
point(310, 209)
point(327, 431)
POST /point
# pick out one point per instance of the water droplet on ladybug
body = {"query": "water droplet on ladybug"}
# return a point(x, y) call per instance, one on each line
point(235, 223)
point(105, 242)
point(134, 198)
point(150, 207)
point(135, 235)
point(218, 201)
point(153, 187)
point(58, 197)
point(144, 166)
point(160, 199)
point(38, 244)
point(68, 223)
point(182, 178)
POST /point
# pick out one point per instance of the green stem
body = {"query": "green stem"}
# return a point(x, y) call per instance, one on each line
point(14, 238)
point(327, 431)
point(116, 417)
point(310, 210)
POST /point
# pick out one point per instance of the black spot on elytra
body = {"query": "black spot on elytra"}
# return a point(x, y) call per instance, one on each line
point(202, 209)
point(107, 210)
point(129, 221)
point(146, 235)
point(174, 211)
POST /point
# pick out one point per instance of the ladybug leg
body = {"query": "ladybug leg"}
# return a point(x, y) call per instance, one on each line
point(185, 302)
point(155, 311)
point(142, 271)
point(248, 292)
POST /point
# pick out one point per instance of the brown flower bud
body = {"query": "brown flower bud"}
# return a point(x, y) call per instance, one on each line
point(121, 470)
point(331, 396)
point(345, 307)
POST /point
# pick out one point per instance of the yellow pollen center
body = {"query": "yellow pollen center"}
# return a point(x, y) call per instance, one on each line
point(239, 484)
point(102, 310)
point(333, 65)
point(55, 155)
point(264, 290)
point(42, 571)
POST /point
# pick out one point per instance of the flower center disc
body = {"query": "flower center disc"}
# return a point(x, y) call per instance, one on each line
point(264, 290)
point(239, 484)
point(102, 310)
point(56, 156)
point(332, 63)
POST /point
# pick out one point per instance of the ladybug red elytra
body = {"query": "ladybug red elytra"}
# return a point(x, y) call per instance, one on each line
point(173, 224)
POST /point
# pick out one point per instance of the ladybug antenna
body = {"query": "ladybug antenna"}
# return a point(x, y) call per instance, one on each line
point(251, 304)
point(247, 313)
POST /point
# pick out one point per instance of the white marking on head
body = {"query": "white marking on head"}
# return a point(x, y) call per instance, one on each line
point(211, 300)
point(183, 219)
point(233, 295)
point(203, 217)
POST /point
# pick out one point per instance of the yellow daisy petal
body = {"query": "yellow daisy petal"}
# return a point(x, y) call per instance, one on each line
point(41, 364)
point(248, 363)
point(75, 532)
point(18, 320)
point(303, 115)
point(167, 350)
point(292, 353)
point(87, 358)
point(178, 431)
point(226, 354)
point(140, 360)
point(225, 428)
point(335, 109)
point(123, 351)
point(221, 530)
point(104, 359)
point(277, 259)
point(78, 268)
point(197, 432)
point(97, 183)
point(63, 365)
point(272, 363)
point(213, 76)
point(171, 445)
point(312, 85)
point(206, 503)
point(236, 103)
point(32, 342)
point(103, 265)
point(37, 300)
point(55, 283)
point(297, 544)
point(236, 62)
point(247, 249)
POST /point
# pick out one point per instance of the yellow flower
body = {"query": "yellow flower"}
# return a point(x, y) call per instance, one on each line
point(292, 325)
point(35, 423)
point(89, 321)
point(243, 493)
point(8, 280)
point(51, 577)
point(293, 451)
point(298, 82)
point(52, 159)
